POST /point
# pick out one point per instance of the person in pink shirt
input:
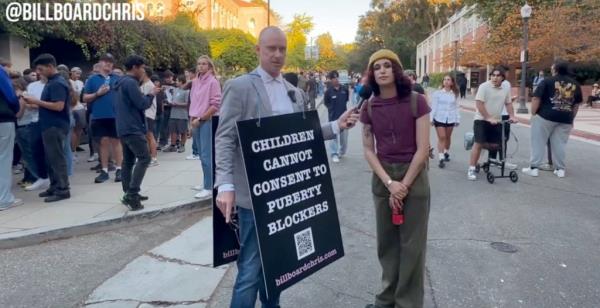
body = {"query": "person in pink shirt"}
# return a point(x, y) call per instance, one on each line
point(205, 100)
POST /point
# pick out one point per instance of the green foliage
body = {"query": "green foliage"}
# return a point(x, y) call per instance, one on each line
point(496, 11)
point(174, 44)
point(331, 57)
point(399, 26)
point(233, 51)
point(435, 79)
point(296, 32)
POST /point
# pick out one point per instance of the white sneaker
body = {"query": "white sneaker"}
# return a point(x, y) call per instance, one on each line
point(154, 162)
point(510, 166)
point(39, 184)
point(203, 194)
point(198, 188)
point(192, 157)
point(559, 173)
point(335, 159)
point(471, 175)
point(93, 158)
point(16, 202)
point(530, 171)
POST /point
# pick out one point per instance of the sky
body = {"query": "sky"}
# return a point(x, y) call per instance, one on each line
point(338, 17)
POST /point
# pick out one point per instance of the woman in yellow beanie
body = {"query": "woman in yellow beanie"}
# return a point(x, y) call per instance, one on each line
point(396, 145)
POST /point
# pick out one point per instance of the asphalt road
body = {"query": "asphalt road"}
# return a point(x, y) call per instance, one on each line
point(63, 273)
point(553, 223)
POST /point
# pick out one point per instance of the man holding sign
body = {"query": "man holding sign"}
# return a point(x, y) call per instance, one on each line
point(262, 93)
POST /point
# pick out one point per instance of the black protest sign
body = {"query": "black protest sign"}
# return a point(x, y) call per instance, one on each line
point(292, 196)
point(226, 243)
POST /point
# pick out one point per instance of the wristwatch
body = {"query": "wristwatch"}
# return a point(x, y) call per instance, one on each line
point(389, 182)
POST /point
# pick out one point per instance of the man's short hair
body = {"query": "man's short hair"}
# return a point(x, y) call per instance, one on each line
point(149, 71)
point(561, 66)
point(168, 74)
point(134, 60)
point(45, 59)
point(411, 73)
point(107, 57)
point(155, 78)
point(27, 71)
point(62, 67)
point(500, 70)
point(333, 74)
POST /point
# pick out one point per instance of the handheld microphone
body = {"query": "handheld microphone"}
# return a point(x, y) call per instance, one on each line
point(364, 93)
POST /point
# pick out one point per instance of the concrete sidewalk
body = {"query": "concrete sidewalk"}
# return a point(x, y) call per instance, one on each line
point(178, 273)
point(95, 207)
point(586, 125)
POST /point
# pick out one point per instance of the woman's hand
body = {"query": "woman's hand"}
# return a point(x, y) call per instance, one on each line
point(398, 190)
point(396, 204)
point(195, 122)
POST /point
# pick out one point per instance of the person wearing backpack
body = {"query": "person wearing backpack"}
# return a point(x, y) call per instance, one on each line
point(396, 145)
point(554, 107)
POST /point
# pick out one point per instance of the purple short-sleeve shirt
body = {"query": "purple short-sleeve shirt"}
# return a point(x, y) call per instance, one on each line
point(394, 127)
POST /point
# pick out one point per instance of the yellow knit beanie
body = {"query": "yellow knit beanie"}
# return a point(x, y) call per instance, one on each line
point(385, 54)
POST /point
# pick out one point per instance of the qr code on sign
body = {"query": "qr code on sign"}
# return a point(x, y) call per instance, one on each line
point(305, 246)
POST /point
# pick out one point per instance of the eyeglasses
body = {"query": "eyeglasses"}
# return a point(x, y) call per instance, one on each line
point(496, 75)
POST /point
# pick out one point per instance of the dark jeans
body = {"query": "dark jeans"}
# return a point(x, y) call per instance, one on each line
point(249, 279)
point(134, 147)
point(164, 127)
point(54, 144)
point(29, 139)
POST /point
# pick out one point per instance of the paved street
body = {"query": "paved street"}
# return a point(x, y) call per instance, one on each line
point(553, 224)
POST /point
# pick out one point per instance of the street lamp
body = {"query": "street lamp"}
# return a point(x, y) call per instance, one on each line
point(268, 13)
point(525, 13)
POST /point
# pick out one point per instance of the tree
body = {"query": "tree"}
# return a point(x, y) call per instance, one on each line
point(173, 44)
point(233, 50)
point(562, 29)
point(329, 58)
point(399, 26)
point(296, 32)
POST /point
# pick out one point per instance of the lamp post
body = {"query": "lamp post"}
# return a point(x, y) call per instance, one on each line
point(525, 13)
point(268, 13)
point(455, 58)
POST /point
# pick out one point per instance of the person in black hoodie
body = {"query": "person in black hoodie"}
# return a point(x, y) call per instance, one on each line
point(54, 123)
point(131, 129)
point(9, 106)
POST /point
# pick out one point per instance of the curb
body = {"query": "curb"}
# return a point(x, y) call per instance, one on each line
point(45, 234)
point(574, 132)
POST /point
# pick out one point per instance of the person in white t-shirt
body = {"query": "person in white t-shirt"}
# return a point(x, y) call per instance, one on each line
point(490, 100)
point(79, 109)
point(147, 86)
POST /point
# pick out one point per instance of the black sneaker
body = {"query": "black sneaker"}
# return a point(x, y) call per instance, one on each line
point(118, 175)
point(133, 203)
point(46, 193)
point(103, 177)
point(96, 167)
point(111, 168)
point(442, 164)
point(79, 149)
point(58, 197)
point(447, 156)
point(142, 198)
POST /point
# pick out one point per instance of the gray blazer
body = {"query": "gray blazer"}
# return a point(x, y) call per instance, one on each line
point(240, 99)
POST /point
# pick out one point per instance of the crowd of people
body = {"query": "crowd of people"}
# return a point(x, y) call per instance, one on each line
point(50, 110)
